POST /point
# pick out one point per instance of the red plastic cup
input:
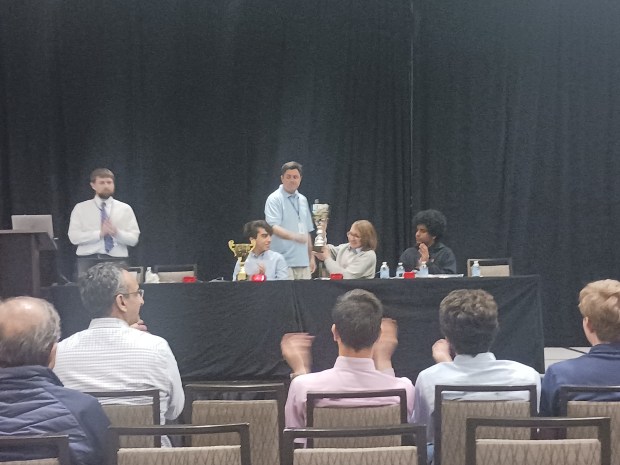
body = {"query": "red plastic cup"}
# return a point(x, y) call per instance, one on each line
point(259, 278)
point(336, 276)
point(189, 279)
point(409, 275)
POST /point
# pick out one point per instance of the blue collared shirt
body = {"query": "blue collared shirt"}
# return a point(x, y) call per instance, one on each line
point(290, 211)
point(274, 264)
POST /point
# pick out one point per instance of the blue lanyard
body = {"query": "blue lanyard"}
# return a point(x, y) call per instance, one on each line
point(296, 207)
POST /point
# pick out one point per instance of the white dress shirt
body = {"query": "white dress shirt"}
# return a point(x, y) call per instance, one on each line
point(112, 356)
point(469, 370)
point(85, 227)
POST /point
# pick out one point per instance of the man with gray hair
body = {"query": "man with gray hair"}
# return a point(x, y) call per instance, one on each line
point(111, 355)
point(32, 399)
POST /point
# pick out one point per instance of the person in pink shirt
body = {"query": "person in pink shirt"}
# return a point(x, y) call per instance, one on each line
point(366, 342)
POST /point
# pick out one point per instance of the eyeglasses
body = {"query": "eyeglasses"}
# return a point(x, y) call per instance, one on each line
point(139, 291)
point(353, 235)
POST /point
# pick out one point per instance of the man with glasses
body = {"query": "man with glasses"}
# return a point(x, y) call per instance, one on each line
point(111, 355)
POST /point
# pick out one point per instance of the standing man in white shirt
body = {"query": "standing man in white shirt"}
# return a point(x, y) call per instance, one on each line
point(111, 355)
point(102, 227)
point(288, 213)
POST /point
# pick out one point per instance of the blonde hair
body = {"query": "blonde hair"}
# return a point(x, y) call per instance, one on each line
point(368, 235)
point(600, 302)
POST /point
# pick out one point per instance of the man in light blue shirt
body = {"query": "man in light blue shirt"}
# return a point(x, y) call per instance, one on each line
point(262, 260)
point(288, 213)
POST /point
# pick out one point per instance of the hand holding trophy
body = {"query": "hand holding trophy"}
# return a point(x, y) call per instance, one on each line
point(241, 252)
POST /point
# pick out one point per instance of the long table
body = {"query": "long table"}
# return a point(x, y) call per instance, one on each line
point(226, 330)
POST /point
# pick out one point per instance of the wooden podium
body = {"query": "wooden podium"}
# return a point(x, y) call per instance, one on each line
point(20, 272)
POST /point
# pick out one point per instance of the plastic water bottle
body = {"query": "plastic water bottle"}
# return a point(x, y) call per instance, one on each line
point(384, 271)
point(150, 277)
point(475, 269)
point(400, 271)
point(423, 271)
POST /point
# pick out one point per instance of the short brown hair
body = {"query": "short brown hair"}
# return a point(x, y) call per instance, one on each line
point(368, 235)
point(600, 302)
point(468, 318)
point(101, 173)
point(291, 165)
point(357, 316)
point(250, 229)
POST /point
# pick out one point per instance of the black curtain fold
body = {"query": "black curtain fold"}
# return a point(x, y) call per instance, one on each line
point(505, 116)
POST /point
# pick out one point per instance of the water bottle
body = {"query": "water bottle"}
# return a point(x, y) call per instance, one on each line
point(400, 271)
point(150, 277)
point(423, 271)
point(384, 271)
point(475, 269)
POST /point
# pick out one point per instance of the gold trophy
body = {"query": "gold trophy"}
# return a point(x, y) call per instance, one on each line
point(320, 215)
point(241, 252)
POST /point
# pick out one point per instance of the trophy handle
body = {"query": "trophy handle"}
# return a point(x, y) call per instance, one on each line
point(231, 245)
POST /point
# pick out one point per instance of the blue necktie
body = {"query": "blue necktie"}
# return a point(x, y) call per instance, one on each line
point(108, 241)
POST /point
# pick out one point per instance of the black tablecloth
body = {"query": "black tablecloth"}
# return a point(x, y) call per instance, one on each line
point(229, 330)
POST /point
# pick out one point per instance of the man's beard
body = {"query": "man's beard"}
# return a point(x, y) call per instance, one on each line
point(105, 195)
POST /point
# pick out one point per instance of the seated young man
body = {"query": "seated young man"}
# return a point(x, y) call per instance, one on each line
point(366, 342)
point(599, 304)
point(468, 320)
point(262, 260)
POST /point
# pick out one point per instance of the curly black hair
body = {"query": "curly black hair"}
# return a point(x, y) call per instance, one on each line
point(434, 220)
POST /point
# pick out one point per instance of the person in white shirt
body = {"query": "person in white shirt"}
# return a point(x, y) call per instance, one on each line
point(468, 320)
point(262, 260)
point(111, 355)
point(102, 227)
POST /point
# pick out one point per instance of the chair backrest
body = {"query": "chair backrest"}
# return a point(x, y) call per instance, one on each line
point(266, 417)
point(548, 452)
point(356, 416)
point(491, 266)
point(58, 445)
point(138, 272)
point(175, 273)
point(218, 455)
point(124, 414)
point(450, 415)
point(414, 452)
point(589, 401)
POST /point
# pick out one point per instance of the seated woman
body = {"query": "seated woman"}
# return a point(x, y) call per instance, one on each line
point(355, 259)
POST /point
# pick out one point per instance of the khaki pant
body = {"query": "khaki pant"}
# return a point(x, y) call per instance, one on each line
point(299, 272)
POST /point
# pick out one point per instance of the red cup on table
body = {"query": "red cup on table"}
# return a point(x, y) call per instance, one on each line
point(189, 279)
point(409, 275)
point(259, 278)
point(336, 276)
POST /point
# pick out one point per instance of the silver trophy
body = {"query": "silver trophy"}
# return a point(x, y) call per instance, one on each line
point(320, 215)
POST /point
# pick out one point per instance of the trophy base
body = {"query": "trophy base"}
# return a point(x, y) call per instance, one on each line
point(318, 248)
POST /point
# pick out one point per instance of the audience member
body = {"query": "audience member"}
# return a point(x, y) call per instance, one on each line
point(468, 320)
point(366, 342)
point(262, 260)
point(599, 304)
point(355, 259)
point(430, 226)
point(32, 399)
point(113, 356)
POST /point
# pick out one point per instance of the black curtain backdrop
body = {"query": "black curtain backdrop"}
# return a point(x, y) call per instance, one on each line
point(505, 116)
